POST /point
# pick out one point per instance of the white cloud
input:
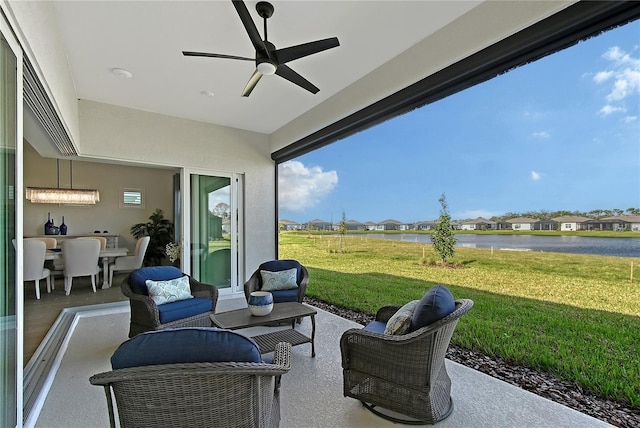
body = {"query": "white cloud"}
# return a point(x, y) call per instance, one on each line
point(629, 119)
point(623, 76)
point(603, 76)
point(627, 83)
point(301, 187)
point(609, 109)
point(541, 134)
point(535, 176)
point(620, 57)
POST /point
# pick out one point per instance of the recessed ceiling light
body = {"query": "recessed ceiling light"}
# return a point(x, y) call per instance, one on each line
point(121, 72)
point(207, 93)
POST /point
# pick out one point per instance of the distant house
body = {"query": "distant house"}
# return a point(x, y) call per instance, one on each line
point(373, 226)
point(503, 225)
point(478, 224)
point(522, 223)
point(548, 224)
point(425, 225)
point(355, 225)
point(289, 225)
point(573, 223)
point(318, 224)
point(616, 223)
point(391, 224)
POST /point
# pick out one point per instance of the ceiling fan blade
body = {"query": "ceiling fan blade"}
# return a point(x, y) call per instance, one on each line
point(250, 26)
point(253, 81)
point(293, 77)
point(294, 52)
point(213, 55)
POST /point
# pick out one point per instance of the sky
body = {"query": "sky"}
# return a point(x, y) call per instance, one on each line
point(561, 133)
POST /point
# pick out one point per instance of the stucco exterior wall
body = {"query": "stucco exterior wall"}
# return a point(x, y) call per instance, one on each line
point(123, 134)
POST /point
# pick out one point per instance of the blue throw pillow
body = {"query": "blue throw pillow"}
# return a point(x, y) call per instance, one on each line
point(138, 278)
point(185, 345)
point(435, 305)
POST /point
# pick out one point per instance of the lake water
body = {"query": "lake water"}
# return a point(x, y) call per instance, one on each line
point(621, 247)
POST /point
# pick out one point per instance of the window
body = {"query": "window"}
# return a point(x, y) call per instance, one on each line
point(132, 198)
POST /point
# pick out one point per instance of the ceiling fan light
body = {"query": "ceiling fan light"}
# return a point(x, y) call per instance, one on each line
point(266, 68)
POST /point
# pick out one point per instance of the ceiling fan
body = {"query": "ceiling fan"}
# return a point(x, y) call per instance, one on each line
point(268, 59)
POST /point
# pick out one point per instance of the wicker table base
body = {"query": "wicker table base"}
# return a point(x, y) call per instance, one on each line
point(282, 312)
point(267, 342)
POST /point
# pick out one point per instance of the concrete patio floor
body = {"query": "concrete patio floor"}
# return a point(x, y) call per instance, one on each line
point(311, 394)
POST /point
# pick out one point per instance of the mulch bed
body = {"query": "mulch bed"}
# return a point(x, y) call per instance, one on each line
point(537, 382)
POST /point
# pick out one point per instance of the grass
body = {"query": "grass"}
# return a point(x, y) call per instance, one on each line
point(576, 316)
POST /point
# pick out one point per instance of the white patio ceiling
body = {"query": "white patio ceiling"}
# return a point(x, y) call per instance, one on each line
point(147, 38)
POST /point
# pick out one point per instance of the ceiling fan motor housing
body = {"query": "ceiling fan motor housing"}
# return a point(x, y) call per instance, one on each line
point(265, 9)
point(268, 59)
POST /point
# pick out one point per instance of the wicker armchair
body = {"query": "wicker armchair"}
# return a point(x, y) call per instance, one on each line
point(145, 314)
point(255, 282)
point(219, 394)
point(402, 373)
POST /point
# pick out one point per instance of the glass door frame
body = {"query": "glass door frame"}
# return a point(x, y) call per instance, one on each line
point(18, 193)
point(237, 225)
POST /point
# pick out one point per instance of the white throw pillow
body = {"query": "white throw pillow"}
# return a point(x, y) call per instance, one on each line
point(400, 322)
point(169, 291)
point(280, 280)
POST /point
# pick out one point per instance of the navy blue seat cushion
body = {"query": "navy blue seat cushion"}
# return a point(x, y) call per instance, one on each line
point(183, 309)
point(375, 327)
point(278, 265)
point(436, 304)
point(157, 273)
point(280, 296)
point(185, 345)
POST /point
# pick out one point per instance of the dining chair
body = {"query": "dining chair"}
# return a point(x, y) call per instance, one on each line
point(101, 239)
point(55, 269)
point(34, 253)
point(132, 262)
point(80, 259)
point(103, 245)
point(49, 242)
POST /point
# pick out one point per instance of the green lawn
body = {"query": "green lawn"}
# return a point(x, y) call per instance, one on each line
point(576, 316)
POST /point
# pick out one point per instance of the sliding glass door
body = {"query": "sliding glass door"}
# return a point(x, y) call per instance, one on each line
point(214, 230)
point(10, 234)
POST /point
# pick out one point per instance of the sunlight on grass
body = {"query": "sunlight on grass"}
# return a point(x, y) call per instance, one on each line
point(576, 316)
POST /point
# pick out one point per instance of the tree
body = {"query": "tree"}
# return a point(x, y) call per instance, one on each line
point(221, 210)
point(342, 229)
point(442, 237)
point(160, 230)
point(633, 211)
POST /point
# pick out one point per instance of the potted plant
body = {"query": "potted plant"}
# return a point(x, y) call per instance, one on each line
point(160, 230)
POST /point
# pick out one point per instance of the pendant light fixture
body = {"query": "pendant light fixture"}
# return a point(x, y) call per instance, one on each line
point(71, 196)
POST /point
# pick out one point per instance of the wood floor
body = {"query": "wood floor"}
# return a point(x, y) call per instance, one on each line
point(39, 315)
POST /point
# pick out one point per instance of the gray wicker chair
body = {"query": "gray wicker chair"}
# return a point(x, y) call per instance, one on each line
point(254, 283)
point(402, 373)
point(145, 315)
point(194, 395)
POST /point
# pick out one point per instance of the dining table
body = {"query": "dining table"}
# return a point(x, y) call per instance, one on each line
point(105, 255)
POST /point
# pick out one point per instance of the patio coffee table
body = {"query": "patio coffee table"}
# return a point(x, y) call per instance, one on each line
point(282, 312)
